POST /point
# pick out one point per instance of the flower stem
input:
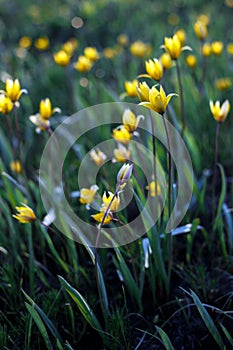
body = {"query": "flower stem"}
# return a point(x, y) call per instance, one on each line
point(154, 150)
point(181, 98)
point(18, 134)
point(169, 196)
point(9, 126)
point(215, 165)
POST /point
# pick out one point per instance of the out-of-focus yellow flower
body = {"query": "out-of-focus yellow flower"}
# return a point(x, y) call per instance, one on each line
point(87, 195)
point(191, 61)
point(230, 48)
point(200, 30)
point(123, 39)
point(158, 100)
point(121, 134)
point(15, 166)
point(6, 105)
point(166, 60)
point(181, 36)
point(107, 198)
point(121, 153)
point(206, 49)
point(13, 89)
point(203, 18)
point(131, 88)
point(46, 109)
point(91, 53)
point(98, 156)
point(25, 214)
point(229, 3)
point(154, 189)
point(99, 217)
point(62, 58)
point(70, 46)
point(220, 112)
point(140, 49)
point(217, 47)
point(173, 19)
point(143, 91)
point(42, 43)
point(83, 64)
point(124, 174)
point(130, 121)
point(25, 42)
point(173, 46)
point(41, 123)
point(109, 53)
point(223, 83)
point(154, 69)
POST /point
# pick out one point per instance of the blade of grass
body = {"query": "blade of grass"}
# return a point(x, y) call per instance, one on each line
point(208, 320)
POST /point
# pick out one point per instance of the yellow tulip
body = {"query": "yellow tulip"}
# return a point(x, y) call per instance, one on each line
point(174, 47)
point(200, 30)
point(217, 47)
point(25, 214)
point(98, 156)
point(6, 105)
point(46, 110)
point(122, 134)
point(87, 195)
point(220, 112)
point(62, 58)
point(131, 88)
point(91, 53)
point(13, 89)
point(83, 64)
point(166, 60)
point(158, 101)
point(191, 61)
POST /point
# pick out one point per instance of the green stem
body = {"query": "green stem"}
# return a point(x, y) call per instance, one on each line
point(18, 135)
point(9, 126)
point(169, 196)
point(31, 263)
point(181, 98)
point(215, 165)
point(154, 150)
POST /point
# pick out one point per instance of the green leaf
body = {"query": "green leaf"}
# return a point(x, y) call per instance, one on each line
point(46, 320)
point(227, 334)
point(40, 325)
point(208, 320)
point(221, 198)
point(82, 304)
point(166, 341)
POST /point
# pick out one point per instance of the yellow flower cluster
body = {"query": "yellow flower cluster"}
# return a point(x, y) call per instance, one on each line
point(10, 96)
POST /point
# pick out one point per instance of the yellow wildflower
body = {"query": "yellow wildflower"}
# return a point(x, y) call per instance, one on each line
point(223, 83)
point(206, 49)
point(70, 46)
point(83, 64)
point(121, 153)
point(220, 112)
point(140, 49)
point(230, 48)
point(98, 156)
point(25, 42)
point(46, 110)
point(25, 214)
point(203, 19)
point(130, 121)
point(143, 91)
point(174, 47)
point(42, 43)
point(123, 39)
point(154, 188)
point(166, 60)
point(13, 89)
point(191, 61)
point(62, 58)
point(99, 217)
point(6, 105)
point(131, 88)
point(200, 30)
point(158, 100)
point(109, 53)
point(87, 195)
point(217, 47)
point(91, 53)
point(181, 36)
point(107, 198)
point(154, 69)
point(15, 166)
point(122, 134)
